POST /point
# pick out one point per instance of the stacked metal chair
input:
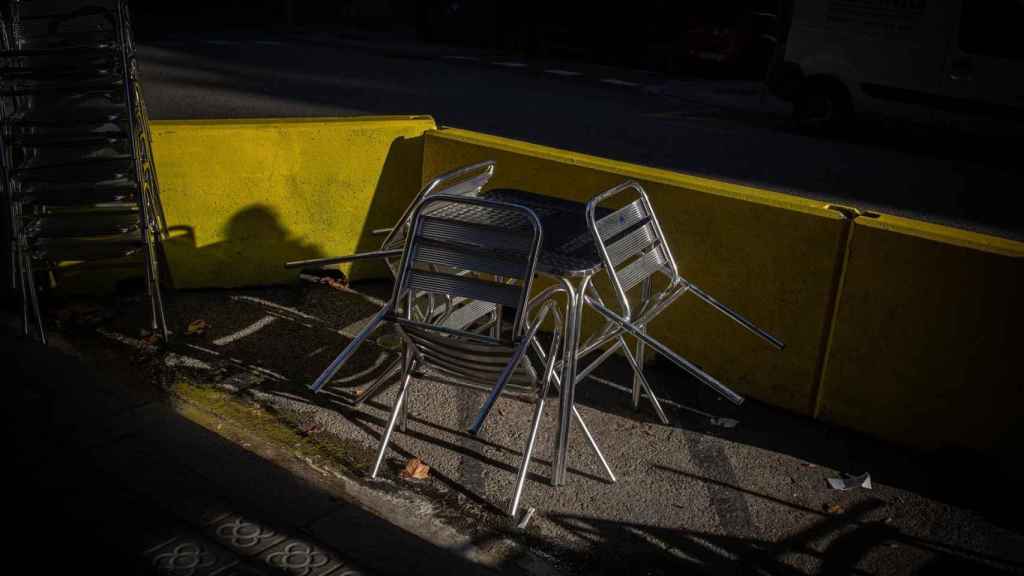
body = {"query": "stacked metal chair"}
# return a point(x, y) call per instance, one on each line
point(77, 169)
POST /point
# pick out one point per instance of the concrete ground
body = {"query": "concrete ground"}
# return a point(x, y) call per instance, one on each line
point(690, 496)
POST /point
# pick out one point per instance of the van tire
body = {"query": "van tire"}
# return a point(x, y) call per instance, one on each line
point(822, 106)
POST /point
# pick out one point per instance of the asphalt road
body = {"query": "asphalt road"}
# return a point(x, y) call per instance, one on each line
point(714, 128)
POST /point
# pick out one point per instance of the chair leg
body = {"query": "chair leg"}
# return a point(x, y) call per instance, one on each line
point(556, 380)
point(524, 465)
point(403, 414)
point(638, 377)
point(378, 385)
point(14, 266)
point(349, 350)
point(148, 263)
point(638, 372)
point(33, 297)
point(391, 423)
point(23, 289)
point(661, 349)
point(593, 445)
point(637, 383)
point(503, 379)
point(159, 315)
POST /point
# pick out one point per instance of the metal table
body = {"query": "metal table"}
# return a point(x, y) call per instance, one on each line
point(568, 254)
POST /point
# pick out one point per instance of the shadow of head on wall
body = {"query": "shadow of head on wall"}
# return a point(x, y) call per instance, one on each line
point(253, 246)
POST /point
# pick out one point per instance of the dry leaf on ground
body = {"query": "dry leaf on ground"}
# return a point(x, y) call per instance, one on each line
point(197, 327)
point(415, 469)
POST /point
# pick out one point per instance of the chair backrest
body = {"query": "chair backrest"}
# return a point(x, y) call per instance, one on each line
point(464, 181)
point(471, 248)
point(631, 242)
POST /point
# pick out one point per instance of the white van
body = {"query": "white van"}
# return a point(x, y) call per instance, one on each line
point(957, 62)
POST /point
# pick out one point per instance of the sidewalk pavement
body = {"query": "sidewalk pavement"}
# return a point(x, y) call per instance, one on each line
point(107, 475)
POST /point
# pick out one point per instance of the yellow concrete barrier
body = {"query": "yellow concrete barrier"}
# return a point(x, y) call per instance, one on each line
point(773, 257)
point(243, 196)
point(926, 337)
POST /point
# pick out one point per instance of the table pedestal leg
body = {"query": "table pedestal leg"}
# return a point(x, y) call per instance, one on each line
point(573, 320)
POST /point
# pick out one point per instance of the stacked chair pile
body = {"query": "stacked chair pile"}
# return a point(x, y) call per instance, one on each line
point(77, 169)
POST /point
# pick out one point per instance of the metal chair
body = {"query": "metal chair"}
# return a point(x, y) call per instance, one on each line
point(634, 251)
point(78, 174)
point(433, 308)
point(487, 252)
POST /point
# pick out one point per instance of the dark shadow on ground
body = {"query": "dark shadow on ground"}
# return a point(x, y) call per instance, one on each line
point(963, 478)
point(851, 546)
point(84, 500)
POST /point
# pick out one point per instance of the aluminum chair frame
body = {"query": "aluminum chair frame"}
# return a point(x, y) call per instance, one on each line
point(633, 249)
point(466, 181)
point(463, 354)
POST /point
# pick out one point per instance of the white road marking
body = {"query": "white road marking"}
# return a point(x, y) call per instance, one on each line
point(202, 349)
point(127, 340)
point(618, 82)
point(559, 72)
point(510, 64)
point(466, 58)
point(315, 352)
point(247, 331)
point(221, 42)
point(270, 304)
point(264, 371)
point(270, 43)
point(171, 359)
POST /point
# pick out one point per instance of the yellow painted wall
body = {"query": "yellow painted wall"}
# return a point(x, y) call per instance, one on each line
point(243, 196)
point(927, 338)
point(773, 257)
